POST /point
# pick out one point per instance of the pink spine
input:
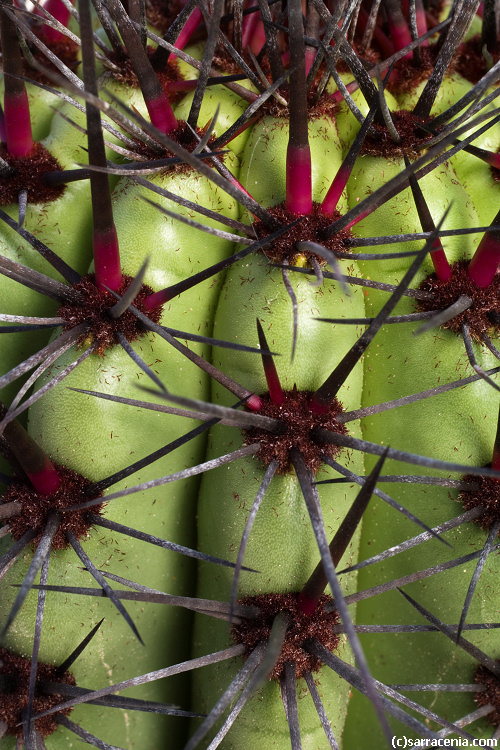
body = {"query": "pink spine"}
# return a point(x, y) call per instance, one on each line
point(484, 264)
point(45, 481)
point(107, 260)
point(306, 605)
point(332, 197)
point(440, 261)
point(254, 403)
point(189, 27)
point(316, 407)
point(298, 180)
point(249, 24)
point(161, 114)
point(157, 299)
point(60, 12)
point(18, 124)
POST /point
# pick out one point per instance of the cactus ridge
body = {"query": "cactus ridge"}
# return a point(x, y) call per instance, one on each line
point(304, 165)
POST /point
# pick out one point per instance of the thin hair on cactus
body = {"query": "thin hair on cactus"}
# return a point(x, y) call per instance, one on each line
point(481, 494)
point(442, 704)
point(105, 231)
point(123, 66)
point(59, 178)
point(451, 297)
point(425, 352)
point(85, 326)
point(432, 160)
point(344, 179)
point(450, 723)
point(485, 676)
point(24, 185)
point(252, 618)
point(283, 637)
point(319, 402)
point(89, 311)
point(130, 67)
point(35, 509)
point(265, 426)
point(232, 418)
point(29, 687)
point(94, 320)
point(23, 686)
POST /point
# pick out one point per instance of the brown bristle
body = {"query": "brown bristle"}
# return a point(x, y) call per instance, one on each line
point(445, 293)
point(324, 107)
point(14, 686)
point(298, 421)
point(223, 61)
point(185, 138)
point(170, 74)
point(406, 75)
point(410, 134)
point(308, 229)
point(35, 508)
point(65, 50)
point(161, 14)
point(487, 496)
point(93, 311)
point(491, 695)
point(302, 627)
point(470, 61)
point(28, 175)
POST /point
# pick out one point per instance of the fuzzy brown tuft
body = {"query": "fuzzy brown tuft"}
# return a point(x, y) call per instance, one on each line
point(161, 14)
point(65, 50)
point(470, 61)
point(445, 293)
point(491, 695)
point(325, 106)
point(309, 229)
point(301, 628)
point(185, 138)
point(487, 495)
point(28, 175)
point(126, 73)
point(14, 686)
point(406, 76)
point(410, 133)
point(298, 421)
point(223, 61)
point(35, 508)
point(93, 311)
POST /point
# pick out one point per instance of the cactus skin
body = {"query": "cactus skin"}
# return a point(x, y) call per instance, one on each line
point(251, 291)
point(224, 496)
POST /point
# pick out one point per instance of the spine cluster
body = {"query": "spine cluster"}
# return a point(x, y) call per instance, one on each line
point(249, 411)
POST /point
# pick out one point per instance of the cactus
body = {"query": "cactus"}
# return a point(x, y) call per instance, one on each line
point(259, 272)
